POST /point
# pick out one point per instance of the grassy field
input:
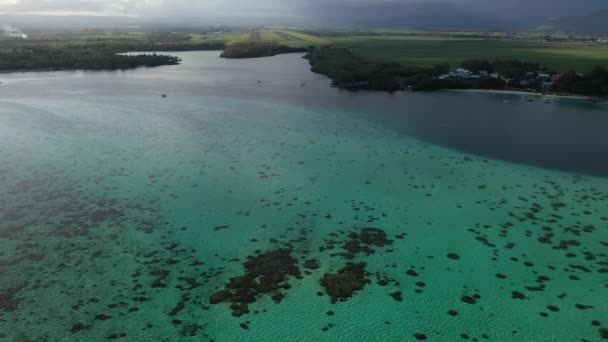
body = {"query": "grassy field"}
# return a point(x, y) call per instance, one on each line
point(224, 37)
point(293, 39)
point(429, 50)
point(279, 36)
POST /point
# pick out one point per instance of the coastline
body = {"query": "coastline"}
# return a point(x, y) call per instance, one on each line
point(527, 93)
point(288, 50)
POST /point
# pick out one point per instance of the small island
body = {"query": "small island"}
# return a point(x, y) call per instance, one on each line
point(258, 49)
point(45, 58)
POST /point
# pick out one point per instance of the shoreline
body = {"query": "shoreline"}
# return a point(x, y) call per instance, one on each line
point(527, 93)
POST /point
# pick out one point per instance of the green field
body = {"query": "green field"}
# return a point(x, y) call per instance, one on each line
point(430, 50)
point(224, 37)
point(292, 39)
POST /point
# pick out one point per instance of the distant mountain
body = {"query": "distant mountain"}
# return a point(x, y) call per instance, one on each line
point(593, 24)
point(419, 15)
point(467, 14)
point(52, 22)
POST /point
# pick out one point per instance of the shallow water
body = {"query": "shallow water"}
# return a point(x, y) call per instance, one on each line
point(123, 211)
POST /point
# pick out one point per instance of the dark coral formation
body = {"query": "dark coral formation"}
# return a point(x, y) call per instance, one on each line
point(372, 236)
point(8, 300)
point(420, 336)
point(453, 256)
point(411, 273)
point(364, 241)
point(175, 267)
point(341, 285)
point(265, 273)
point(311, 264)
point(79, 326)
point(397, 296)
point(220, 296)
point(517, 295)
point(468, 299)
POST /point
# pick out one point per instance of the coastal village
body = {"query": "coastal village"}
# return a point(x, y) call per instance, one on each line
point(533, 80)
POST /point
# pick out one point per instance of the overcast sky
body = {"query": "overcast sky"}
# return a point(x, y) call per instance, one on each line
point(492, 10)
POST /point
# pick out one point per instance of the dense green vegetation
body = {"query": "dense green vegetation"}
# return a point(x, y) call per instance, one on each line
point(122, 47)
point(257, 49)
point(594, 83)
point(120, 42)
point(430, 50)
point(44, 58)
point(348, 70)
point(94, 51)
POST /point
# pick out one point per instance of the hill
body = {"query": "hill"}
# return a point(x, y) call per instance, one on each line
point(593, 24)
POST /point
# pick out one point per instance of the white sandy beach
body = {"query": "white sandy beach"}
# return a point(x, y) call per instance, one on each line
point(522, 92)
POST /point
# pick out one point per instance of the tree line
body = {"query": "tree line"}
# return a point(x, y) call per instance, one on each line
point(45, 58)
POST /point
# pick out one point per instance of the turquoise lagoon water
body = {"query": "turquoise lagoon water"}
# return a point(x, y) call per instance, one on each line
point(122, 212)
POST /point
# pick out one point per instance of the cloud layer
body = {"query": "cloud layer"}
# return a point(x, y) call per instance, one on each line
point(339, 11)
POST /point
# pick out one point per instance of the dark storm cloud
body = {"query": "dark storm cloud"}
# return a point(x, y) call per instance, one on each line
point(352, 12)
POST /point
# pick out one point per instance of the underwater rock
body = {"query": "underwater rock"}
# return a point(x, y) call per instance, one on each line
point(583, 306)
point(311, 264)
point(342, 285)
point(397, 296)
point(453, 256)
point(468, 299)
point(411, 273)
point(78, 326)
point(420, 336)
point(219, 296)
point(8, 300)
point(517, 295)
point(190, 330)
